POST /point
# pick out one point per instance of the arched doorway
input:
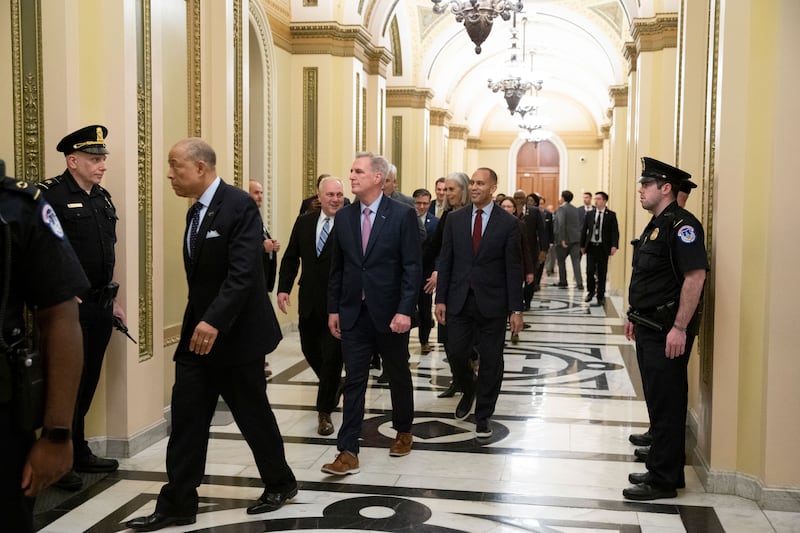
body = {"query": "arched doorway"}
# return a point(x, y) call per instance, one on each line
point(538, 169)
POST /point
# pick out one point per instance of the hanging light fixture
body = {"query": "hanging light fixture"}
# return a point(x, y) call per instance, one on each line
point(515, 82)
point(478, 15)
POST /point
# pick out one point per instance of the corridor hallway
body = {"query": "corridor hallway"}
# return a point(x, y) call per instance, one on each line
point(557, 462)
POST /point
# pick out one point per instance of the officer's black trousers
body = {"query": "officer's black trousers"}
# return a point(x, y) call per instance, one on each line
point(96, 325)
point(666, 392)
point(16, 511)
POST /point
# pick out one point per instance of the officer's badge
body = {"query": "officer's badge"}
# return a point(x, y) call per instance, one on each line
point(51, 220)
point(687, 234)
point(654, 234)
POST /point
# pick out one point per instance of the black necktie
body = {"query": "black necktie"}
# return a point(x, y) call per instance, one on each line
point(598, 220)
point(194, 226)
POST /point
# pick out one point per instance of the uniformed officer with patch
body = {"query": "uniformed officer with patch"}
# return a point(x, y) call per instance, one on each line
point(669, 270)
point(89, 219)
point(38, 268)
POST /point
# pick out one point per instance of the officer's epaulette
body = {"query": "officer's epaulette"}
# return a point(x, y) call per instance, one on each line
point(24, 187)
point(50, 182)
point(103, 191)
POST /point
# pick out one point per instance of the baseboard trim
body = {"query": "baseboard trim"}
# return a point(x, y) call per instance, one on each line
point(128, 447)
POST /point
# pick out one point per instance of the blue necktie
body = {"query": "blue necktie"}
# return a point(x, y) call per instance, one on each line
point(323, 236)
point(194, 227)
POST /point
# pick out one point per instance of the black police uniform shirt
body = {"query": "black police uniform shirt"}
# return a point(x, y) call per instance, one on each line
point(676, 237)
point(89, 221)
point(44, 268)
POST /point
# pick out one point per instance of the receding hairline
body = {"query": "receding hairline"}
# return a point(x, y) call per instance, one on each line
point(196, 149)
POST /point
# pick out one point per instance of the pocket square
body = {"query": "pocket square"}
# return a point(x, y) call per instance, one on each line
point(211, 234)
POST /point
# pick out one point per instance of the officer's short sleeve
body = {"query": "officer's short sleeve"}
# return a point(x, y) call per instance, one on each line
point(688, 243)
point(52, 270)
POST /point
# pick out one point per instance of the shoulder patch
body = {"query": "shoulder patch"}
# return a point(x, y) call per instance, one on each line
point(50, 220)
point(687, 234)
point(24, 187)
point(49, 183)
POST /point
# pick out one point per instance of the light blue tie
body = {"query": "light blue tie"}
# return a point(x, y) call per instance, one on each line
point(323, 235)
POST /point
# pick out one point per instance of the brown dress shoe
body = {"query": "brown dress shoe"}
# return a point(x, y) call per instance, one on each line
point(324, 424)
point(401, 445)
point(345, 463)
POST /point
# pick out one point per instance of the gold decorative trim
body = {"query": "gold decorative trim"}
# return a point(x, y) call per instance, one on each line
point(397, 50)
point(458, 132)
point(409, 97)
point(310, 118)
point(193, 47)
point(631, 54)
point(357, 92)
point(26, 59)
point(144, 111)
point(363, 119)
point(238, 89)
point(656, 33)
point(605, 131)
point(681, 74)
point(618, 95)
point(440, 117)
point(261, 22)
point(330, 38)
point(473, 143)
point(382, 120)
point(309, 3)
point(172, 335)
point(397, 147)
point(360, 6)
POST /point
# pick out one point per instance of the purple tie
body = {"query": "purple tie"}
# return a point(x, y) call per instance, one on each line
point(366, 227)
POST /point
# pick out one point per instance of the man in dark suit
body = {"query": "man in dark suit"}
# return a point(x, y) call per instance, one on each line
point(228, 326)
point(376, 271)
point(599, 240)
point(479, 287)
point(537, 237)
point(271, 246)
point(437, 206)
point(309, 244)
point(422, 203)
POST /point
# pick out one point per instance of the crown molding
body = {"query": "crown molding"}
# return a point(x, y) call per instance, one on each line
point(409, 97)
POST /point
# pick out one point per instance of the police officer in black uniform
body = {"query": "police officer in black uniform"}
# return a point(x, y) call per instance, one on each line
point(669, 270)
point(38, 268)
point(89, 218)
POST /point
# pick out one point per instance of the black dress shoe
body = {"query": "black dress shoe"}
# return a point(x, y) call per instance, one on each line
point(589, 297)
point(642, 453)
point(600, 302)
point(579, 287)
point(465, 405)
point(158, 521)
point(646, 491)
point(644, 477)
point(641, 439)
point(450, 391)
point(70, 481)
point(272, 501)
point(94, 465)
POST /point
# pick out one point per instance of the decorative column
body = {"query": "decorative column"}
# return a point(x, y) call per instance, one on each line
point(620, 185)
point(438, 147)
point(457, 149)
point(408, 126)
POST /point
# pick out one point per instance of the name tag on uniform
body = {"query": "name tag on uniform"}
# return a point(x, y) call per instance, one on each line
point(74, 205)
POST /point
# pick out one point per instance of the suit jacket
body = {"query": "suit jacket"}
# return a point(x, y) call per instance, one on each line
point(226, 281)
point(494, 273)
point(609, 232)
point(567, 224)
point(302, 247)
point(535, 232)
point(388, 274)
point(428, 251)
point(270, 264)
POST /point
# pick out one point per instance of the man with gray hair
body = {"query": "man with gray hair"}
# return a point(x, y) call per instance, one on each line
point(390, 187)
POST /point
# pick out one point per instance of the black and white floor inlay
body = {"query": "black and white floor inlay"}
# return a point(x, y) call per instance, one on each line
point(557, 461)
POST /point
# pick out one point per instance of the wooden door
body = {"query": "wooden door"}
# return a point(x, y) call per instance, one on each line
point(537, 170)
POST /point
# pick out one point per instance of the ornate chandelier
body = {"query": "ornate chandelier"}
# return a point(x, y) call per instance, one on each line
point(478, 15)
point(515, 83)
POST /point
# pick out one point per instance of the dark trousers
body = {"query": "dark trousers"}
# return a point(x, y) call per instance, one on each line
point(596, 266)
point(96, 325)
point(197, 387)
point(666, 390)
point(573, 251)
point(425, 308)
point(15, 508)
point(358, 345)
point(469, 329)
point(323, 352)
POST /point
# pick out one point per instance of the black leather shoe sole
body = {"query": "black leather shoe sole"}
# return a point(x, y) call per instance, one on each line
point(644, 477)
point(449, 392)
point(272, 501)
point(642, 453)
point(464, 406)
point(645, 492)
point(96, 465)
point(157, 521)
point(641, 439)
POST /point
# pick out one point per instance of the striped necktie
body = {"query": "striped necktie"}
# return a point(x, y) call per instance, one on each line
point(323, 235)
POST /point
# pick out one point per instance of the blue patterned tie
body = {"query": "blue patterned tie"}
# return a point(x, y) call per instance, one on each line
point(194, 226)
point(323, 235)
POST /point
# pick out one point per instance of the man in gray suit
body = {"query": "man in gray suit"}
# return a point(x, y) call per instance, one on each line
point(568, 240)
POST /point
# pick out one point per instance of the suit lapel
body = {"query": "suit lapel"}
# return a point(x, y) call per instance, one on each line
point(380, 219)
point(207, 222)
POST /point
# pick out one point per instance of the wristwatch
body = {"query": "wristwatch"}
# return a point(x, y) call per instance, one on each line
point(516, 312)
point(56, 435)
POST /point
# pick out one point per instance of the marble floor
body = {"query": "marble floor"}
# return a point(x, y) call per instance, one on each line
point(557, 461)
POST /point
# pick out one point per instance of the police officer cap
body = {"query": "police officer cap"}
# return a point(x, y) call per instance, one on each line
point(653, 169)
point(91, 139)
point(687, 186)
